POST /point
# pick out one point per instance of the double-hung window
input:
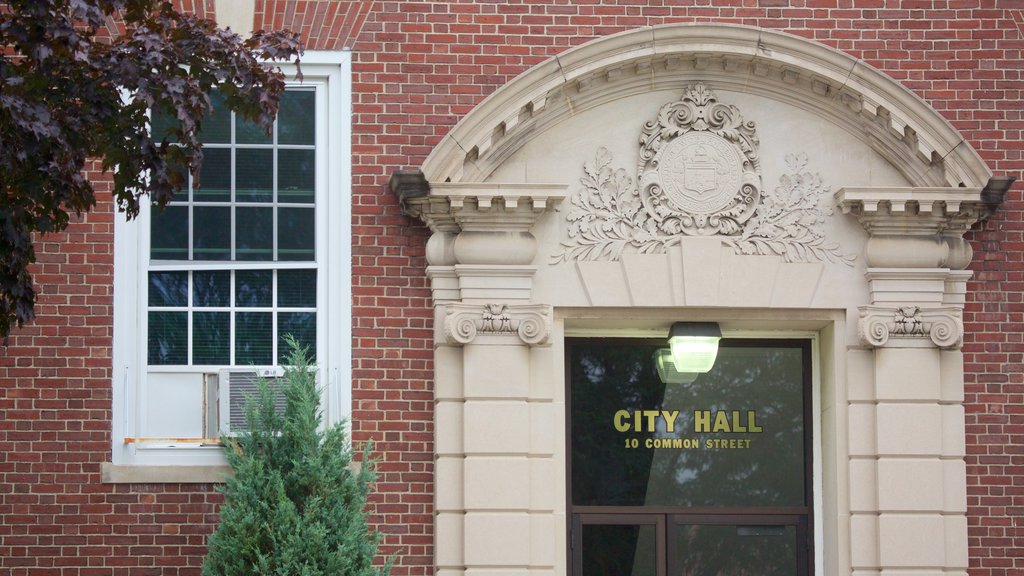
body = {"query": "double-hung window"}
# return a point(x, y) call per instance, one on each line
point(207, 289)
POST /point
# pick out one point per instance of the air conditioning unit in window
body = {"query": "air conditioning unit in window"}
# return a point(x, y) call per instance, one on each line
point(234, 387)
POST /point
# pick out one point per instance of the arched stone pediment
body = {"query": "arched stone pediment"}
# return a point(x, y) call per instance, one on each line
point(846, 92)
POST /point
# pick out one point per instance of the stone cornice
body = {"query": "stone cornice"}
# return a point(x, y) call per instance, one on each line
point(484, 207)
point(914, 211)
point(848, 92)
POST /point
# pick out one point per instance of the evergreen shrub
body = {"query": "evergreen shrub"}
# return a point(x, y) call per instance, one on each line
point(294, 506)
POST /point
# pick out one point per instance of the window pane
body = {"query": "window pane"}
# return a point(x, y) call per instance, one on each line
point(180, 195)
point(253, 338)
point(169, 233)
point(168, 288)
point(621, 550)
point(247, 132)
point(302, 327)
point(296, 288)
point(733, 437)
point(295, 234)
point(214, 176)
point(762, 550)
point(211, 233)
point(168, 338)
point(254, 233)
point(211, 288)
point(295, 176)
point(253, 288)
point(254, 175)
point(160, 123)
point(296, 117)
point(217, 125)
point(211, 337)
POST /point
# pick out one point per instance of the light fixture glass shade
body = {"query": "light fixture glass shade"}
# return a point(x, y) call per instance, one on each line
point(694, 345)
point(667, 369)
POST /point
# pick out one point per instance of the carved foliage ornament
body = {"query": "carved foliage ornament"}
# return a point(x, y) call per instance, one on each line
point(698, 175)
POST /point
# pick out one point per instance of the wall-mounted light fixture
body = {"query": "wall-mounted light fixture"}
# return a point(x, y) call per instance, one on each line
point(694, 345)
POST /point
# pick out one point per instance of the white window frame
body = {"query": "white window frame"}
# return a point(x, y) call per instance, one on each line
point(331, 74)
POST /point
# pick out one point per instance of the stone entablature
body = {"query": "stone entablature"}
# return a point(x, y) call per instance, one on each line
point(479, 223)
point(916, 254)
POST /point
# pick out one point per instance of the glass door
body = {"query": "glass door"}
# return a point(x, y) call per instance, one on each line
point(709, 477)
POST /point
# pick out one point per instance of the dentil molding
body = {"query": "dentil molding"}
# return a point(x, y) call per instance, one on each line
point(530, 323)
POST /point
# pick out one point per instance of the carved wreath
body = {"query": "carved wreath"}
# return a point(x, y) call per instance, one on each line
point(699, 174)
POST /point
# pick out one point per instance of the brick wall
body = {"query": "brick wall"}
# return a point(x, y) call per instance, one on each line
point(419, 66)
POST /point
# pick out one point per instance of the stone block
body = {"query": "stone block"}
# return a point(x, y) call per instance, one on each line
point(448, 373)
point(448, 427)
point(953, 431)
point(543, 427)
point(952, 381)
point(497, 539)
point(911, 541)
point(910, 485)
point(497, 372)
point(908, 374)
point(497, 483)
point(909, 429)
point(861, 422)
point(956, 541)
point(448, 540)
point(954, 485)
point(863, 541)
point(542, 540)
point(493, 427)
point(545, 487)
point(448, 491)
point(863, 485)
point(860, 375)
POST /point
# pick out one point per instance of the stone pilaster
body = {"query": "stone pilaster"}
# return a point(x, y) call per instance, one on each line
point(908, 492)
point(494, 495)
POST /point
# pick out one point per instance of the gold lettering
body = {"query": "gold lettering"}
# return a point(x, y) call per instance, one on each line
point(651, 415)
point(701, 421)
point(636, 421)
point(670, 420)
point(753, 423)
point(618, 420)
point(721, 422)
point(736, 426)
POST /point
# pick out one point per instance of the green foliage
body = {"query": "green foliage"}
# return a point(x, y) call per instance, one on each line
point(69, 93)
point(294, 507)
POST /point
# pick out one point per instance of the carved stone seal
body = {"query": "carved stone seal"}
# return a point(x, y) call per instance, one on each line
point(699, 171)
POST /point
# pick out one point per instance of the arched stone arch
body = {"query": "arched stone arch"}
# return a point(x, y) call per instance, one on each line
point(848, 92)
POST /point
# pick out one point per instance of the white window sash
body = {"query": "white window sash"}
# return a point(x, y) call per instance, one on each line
point(330, 73)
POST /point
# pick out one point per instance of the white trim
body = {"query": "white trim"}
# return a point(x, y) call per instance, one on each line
point(330, 72)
